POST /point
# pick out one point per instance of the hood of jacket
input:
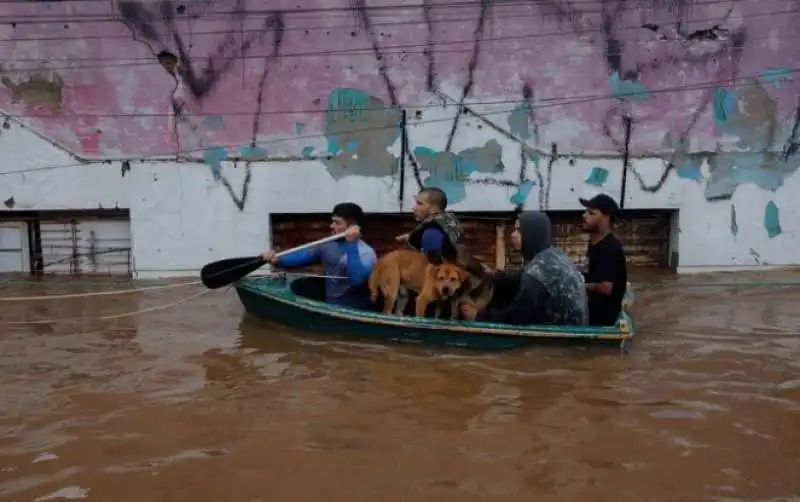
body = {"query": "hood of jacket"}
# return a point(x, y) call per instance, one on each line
point(536, 230)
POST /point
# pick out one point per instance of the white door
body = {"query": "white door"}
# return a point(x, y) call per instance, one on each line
point(14, 247)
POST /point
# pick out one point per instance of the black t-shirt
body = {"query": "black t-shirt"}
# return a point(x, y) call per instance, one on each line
point(606, 264)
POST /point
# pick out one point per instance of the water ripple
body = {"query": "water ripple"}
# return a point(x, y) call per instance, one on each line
point(207, 404)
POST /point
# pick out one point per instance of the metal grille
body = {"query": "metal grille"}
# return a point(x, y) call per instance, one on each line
point(74, 247)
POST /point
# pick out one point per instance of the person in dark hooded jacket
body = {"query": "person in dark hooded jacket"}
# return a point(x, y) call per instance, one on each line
point(551, 288)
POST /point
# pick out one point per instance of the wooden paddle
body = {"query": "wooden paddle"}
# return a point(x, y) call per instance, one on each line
point(222, 273)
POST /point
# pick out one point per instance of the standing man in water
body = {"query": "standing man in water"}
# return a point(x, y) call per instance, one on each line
point(606, 274)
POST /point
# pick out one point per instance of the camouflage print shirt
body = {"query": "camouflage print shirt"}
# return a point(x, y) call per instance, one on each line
point(567, 301)
point(448, 224)
point(551, 288)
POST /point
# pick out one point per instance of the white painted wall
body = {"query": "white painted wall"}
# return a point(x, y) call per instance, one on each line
point(705, 240)
point(181, 218)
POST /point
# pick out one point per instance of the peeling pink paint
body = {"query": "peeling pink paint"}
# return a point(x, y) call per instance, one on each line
point(90, 144)
point(120, 79)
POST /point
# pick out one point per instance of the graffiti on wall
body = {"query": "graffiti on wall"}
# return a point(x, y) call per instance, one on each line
point(483, 92)
point(158, 28)
point(739, 103)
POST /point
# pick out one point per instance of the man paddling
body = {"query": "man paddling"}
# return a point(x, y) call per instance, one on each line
point(350, 257)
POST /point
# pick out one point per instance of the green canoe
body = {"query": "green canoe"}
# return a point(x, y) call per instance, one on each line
point(287, 300)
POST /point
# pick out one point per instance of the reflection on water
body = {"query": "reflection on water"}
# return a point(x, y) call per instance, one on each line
point(200, 402)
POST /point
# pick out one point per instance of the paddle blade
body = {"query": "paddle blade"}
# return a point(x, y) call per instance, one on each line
point(222, 273)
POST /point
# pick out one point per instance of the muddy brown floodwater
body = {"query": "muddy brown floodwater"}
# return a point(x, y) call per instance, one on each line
point(201, 403)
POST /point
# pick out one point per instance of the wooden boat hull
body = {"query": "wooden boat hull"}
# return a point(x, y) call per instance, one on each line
point(274, 299)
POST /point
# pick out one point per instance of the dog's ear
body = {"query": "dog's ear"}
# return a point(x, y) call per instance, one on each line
point(463, 274)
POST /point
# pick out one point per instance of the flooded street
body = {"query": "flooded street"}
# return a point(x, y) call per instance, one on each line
point(199, 402)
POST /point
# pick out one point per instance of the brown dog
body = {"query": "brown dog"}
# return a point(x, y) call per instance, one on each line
point(406, 270)
point(478, 289)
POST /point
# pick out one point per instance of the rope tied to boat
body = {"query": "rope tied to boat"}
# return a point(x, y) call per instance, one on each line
point(110, 316)
point(138, 290)
point(320, 276)
point(95, 293)
point(127, 291)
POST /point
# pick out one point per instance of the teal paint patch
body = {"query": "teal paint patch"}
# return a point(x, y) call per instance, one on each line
point(757, 132)
point(729, 170)
point(523, 192)
point(724, 105)
point(690, 169)
point(359, 130)
point(252, 152)
point(350, 103)
point(630, 90)
point(597, 177)
point(299, 127)
point(333, 145)
point(772, 220)
point(424, 151)
point(775, 76)
point(520, 121)
point(534, 155)
point(734, 223)
point(214, 122)
point(213, 157)
point(446, 171)
point(307, 152)
point(729, 120)
point(450, 171)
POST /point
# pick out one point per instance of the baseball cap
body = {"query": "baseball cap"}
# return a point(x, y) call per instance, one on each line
point(603, 203)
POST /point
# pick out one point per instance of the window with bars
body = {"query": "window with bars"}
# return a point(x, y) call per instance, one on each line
point(75, 242)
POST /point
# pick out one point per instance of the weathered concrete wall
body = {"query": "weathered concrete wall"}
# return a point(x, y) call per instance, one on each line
point(204, 114)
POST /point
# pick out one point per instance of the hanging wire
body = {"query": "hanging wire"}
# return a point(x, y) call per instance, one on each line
point(392, 10)
point(401, 49)
point(746, 82)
